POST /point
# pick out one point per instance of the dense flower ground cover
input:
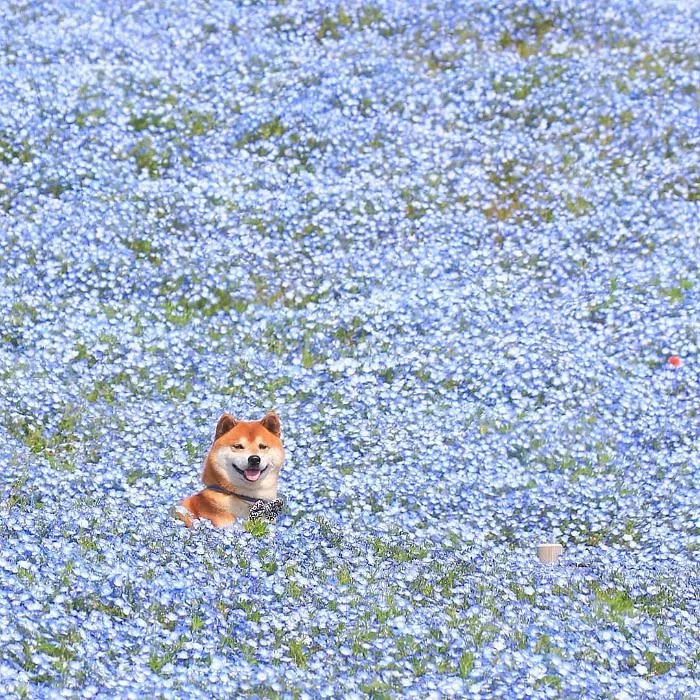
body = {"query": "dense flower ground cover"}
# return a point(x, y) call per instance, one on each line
point(453, 244)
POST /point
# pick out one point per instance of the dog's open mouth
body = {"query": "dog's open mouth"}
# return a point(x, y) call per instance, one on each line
point(250, 474)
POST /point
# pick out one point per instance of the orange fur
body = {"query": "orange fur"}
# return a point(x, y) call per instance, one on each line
point(245, 459)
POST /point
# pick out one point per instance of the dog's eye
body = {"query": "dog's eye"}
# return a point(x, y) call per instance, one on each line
point(237, 446)
point(262, 447)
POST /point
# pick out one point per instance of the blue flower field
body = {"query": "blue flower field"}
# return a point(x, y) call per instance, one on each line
point(453, 244)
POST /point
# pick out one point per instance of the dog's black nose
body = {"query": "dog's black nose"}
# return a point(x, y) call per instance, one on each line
point(254, 461)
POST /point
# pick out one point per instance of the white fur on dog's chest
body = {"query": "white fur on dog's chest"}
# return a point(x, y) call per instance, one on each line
point(230, 504)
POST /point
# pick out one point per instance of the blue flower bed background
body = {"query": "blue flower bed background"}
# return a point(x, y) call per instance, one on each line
point(453, 245)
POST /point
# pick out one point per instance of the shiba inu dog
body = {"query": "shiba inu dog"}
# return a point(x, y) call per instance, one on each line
point(240, 473)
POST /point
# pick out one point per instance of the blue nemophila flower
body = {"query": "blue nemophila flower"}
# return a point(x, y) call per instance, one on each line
point(452, 246)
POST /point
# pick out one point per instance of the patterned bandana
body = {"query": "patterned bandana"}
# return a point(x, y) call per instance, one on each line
point(266, 510)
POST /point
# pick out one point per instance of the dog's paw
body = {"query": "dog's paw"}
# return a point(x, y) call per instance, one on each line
point(180, 513)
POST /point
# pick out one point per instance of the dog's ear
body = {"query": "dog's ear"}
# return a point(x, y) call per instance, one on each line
point(271, 421)
point(226, 422)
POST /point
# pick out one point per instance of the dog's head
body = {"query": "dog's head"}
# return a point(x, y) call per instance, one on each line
point(246, 454)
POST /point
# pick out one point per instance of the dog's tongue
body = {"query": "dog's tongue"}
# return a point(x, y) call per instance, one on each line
point(252, 474)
